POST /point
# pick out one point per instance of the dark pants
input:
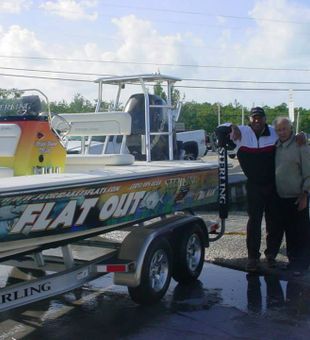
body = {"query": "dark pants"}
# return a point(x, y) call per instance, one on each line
point(263, 199)
point(297, 233)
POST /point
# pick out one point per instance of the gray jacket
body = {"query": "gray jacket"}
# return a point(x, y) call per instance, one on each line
point(292, 168)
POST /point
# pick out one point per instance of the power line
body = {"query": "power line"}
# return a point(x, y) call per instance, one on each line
point(155, 43)
point(56, 71)
point(155, 63)
point(184, 79)
point(165, 10)
point(243, 88)
point(248, 81)
point(45, 78)
point(220, 26)
point(179, 86)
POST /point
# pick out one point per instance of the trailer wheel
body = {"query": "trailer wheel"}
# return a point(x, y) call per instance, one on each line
point(190, 156)
point(189, 256)
point(191, 151)
point(156, 273)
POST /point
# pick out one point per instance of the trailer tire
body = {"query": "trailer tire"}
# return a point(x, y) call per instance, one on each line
point(189, 256)
point(191, 151)
point(190, 156)
point(156, 273)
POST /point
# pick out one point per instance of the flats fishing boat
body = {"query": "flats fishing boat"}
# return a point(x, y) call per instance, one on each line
point(68, 177)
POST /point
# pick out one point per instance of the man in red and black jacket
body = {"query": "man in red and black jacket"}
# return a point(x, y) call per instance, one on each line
point(255, 145)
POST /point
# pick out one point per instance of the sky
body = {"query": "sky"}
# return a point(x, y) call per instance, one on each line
point(220, 48)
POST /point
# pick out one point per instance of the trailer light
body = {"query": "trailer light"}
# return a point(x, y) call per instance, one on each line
point(115, 268)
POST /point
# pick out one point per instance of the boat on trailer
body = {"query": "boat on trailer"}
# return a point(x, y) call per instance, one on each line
point(52, 197)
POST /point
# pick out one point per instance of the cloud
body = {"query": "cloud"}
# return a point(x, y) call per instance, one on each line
point(140, 41)
point(273, 39)
point(276, 37)
point(280, 36)
point(137, 41)
point(19, 41)
point(23, 44)
point(71, 9)
point(277, 42)
point(14, 6)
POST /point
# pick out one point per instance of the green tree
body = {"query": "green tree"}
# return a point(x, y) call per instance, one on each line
point(194, 115)
point(60, 107)
point(159, 91)
point(176, 95)
point(304, 120)
point(79, 104)
point(5, 94)
point(190, 115)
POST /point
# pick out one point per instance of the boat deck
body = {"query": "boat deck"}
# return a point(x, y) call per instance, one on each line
point(107, 174)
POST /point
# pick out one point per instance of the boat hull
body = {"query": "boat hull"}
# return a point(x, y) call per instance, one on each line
point(35, 219)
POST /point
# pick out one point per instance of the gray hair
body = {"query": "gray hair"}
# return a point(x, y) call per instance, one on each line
point(280, 120)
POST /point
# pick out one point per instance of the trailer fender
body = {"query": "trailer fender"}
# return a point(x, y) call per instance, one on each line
point(136, 244)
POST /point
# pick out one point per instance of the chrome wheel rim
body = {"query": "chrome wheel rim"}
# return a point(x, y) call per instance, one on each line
point(193, 252)
point(159, 270)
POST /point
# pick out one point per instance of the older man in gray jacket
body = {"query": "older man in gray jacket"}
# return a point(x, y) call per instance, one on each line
point(293, 186)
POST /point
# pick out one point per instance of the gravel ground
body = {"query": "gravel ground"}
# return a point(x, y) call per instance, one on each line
point(232, 246)
point(230, 251)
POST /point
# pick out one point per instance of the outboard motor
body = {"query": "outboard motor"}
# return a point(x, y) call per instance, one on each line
point(158, 123)
point(25, 105)
point(31, 105)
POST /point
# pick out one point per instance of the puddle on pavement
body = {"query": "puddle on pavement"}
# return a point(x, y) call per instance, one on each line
point(264, 296)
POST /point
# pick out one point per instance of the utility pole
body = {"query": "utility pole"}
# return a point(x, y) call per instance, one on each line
point(242, 115)
point(297, 121)
point(218, 114)
point(291, 112)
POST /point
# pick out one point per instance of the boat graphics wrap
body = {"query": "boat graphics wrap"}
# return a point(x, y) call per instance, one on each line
point(85, 208)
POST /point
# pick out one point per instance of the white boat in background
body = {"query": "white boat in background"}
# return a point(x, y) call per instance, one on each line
point(49, 197)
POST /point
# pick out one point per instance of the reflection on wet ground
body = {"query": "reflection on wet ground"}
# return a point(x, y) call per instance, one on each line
point(224, 303)
point(281, 300)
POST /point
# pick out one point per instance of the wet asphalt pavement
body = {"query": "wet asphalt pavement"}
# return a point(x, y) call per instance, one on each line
point(222, 304)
